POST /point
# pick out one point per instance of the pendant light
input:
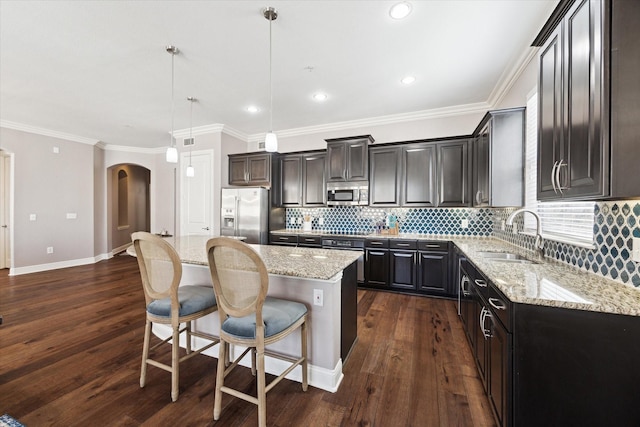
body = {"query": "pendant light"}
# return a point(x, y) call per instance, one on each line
point(270, 140)
point(172, 151)
point(190, 170)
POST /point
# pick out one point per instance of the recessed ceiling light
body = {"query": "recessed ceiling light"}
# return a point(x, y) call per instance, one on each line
point(400, 10)
point(253, 109)
point(408, 80)
point(320, 97)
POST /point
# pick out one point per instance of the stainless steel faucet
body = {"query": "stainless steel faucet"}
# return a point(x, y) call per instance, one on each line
point(539, 242)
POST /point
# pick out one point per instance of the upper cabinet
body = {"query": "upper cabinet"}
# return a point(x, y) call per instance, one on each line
point(420, 174)
point(250, 169)
point(384, 176)
point(498, 159)
point(302, 180)
point(453, 173)
point(588, 101)
point(348, 159)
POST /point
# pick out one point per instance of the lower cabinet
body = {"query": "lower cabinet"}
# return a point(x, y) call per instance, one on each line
point(433, 268)
point(409, 266)
point(376, 263)
point(486, 315)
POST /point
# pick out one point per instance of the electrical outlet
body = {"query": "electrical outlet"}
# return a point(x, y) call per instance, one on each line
point(299, 220)
point(464, 223)
point(635, 249)
point(49, 249)
point(292, 220)
point(318, 297)
point(320, 221)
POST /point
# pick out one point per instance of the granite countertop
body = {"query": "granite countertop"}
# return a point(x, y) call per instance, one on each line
point(307, 263)
point(329, 233)
point(547, 282)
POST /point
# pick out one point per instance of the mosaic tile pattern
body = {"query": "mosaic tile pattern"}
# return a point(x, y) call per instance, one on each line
point(362, 220)
point(615, 224)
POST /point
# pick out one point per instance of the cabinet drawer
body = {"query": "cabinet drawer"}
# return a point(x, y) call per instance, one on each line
point(314, 241)
point(284, 239)
point(403, 244)
point(500, 306)
point(376, 243)
point(433, 246)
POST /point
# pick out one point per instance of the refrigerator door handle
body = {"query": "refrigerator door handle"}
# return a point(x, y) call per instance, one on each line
point(235, 222)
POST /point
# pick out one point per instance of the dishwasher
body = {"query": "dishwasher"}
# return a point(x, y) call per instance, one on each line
point(351, 244)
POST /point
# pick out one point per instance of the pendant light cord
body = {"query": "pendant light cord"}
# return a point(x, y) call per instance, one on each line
point(173, 105)
point(270, 78)
point(191, 99)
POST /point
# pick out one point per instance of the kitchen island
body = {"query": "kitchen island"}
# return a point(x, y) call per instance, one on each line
point(296, 274)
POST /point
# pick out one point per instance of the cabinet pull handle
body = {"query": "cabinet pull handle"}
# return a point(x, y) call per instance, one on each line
point(483, 317)
point(432, 246)
point(497, 304)
point(478, 193)
point(376, 243)
point(560, 187)
point(402, 244)
point(464, 282)
point(481, 283)
point(553, 176)
point(309, 240)
point(283, 238)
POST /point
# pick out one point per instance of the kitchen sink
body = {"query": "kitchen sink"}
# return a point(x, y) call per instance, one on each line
point(506, 257)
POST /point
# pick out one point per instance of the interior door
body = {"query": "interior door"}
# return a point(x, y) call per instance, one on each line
point(196, 202)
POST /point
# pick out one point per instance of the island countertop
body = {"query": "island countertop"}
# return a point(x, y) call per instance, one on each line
point(308, 263)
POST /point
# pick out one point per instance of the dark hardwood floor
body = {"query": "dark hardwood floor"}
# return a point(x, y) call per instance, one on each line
point(71, 344)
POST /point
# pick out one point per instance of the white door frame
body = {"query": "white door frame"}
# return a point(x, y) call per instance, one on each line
point(6, 210)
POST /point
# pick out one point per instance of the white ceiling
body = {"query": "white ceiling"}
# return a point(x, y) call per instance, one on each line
point(99, 69)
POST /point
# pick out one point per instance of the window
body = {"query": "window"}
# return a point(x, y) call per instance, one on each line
point(570, 222)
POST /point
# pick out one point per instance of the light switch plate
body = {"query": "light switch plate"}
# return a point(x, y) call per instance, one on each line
point(464, 223)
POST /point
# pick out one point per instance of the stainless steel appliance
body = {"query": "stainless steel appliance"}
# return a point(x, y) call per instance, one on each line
point(347, 193)
point(348, 243)
point(245, 212)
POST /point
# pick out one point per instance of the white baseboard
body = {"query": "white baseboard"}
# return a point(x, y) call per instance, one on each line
point(54, 265)
point(319, 377)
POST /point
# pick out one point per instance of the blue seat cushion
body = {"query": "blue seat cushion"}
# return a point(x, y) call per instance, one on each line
point(277, 314)
point(192, 299)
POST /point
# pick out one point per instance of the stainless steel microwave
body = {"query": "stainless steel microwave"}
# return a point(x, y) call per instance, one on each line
point(347, 193)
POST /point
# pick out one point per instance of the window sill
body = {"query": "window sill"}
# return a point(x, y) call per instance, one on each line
point(562, 239)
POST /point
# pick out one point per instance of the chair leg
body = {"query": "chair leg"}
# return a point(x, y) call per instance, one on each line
point(222, 357)
point(145, 353)
point(188, 344)
point(303, 339)
point(262, 395)
point(175, 364)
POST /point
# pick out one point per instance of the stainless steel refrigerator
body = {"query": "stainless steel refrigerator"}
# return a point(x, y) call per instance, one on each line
point(245, 212)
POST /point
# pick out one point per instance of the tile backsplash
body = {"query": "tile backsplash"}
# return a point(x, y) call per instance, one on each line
point(361, 220)
point(615, 224)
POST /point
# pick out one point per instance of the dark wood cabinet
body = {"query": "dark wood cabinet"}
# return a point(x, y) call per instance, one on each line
point(250, 169)
point(433, 272)
point(376, 267)
point(453, 173)
point(588, 102)
point(348, 158)
point(291, 180)
point(403, 263)
point(499, 371)
point(384, 176)
point(302, 180)
point(283, 239)
point(498, 159)
point(314, 183)
point(419, 175)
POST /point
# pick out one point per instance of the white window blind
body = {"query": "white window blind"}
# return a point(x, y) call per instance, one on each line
point(570, 222)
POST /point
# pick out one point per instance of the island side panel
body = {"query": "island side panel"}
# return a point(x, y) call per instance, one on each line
point(349, 310)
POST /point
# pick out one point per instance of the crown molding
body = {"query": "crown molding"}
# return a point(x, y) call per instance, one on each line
point(47, 132)
point(480, 107)
point(130, 149)
point(200, 130)
point(510, 76)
